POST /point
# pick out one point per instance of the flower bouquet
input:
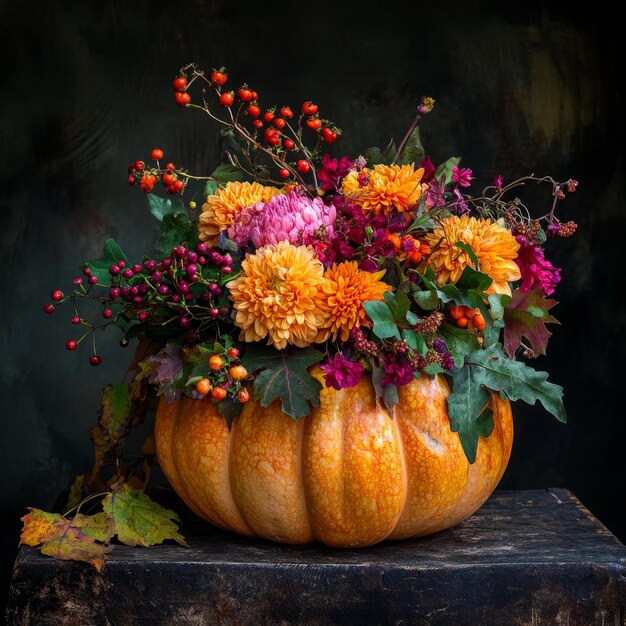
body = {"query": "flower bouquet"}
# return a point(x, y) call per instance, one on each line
point(331, 344)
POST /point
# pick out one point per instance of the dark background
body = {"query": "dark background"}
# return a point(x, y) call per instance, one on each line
point(86, 89)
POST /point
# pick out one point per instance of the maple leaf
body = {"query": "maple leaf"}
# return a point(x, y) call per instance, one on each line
point(76, 493)
point(68, 539)
point(138, 520)
point(284, 376)
point(527, 316)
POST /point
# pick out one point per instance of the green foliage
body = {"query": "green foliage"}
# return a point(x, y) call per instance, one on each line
point(376, 156)
point(413, 150)
point(445, 169)
point(384, 321)
point(226, 173)
point(111, 254)
point(115, 412)
point(176, 229)
point(492, 369)
point(388, 394)
point(469, 251)
point(460, 342)
point(160, 207)
point(284, 375)
point(138, 520)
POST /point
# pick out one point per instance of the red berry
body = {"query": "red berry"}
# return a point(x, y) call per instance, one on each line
point(255, 95)
point(252, 110)
point(303, 166)
point(284, 173)
point(227, 98)
point(57, 295)
point(219, 393)
point(107, 314)
point(170, 166)
point(76, 319)
point(179, 83)
point(178, 186)
point(95, 360)
point(286, 112)
point(131, 180)
point(279, 123)
point(218, 77)
point(244, 94)
point(257, 124)
point(328, 135)
point(70, 344)
point(268, 116)
point(272, 137)
point(314, 123)
point(182, 98)
point(156, 154)
point(48, 308)
point(139, 166)
point(93, 280)
point(86, 271)
point(147, 183)
point(308, 108)
point(168, 178)
point(288, 144)
point(233, 353)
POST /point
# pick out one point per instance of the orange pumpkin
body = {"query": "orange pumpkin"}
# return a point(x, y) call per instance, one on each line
point(346, 475)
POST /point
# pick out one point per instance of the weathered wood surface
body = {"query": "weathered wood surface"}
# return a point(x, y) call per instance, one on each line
point(527, 557)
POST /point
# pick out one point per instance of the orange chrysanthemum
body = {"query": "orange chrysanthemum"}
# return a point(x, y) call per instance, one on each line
point(384, 188)
point(494, 246)
point(278, 296)
point(343, 293)
point(221, 209)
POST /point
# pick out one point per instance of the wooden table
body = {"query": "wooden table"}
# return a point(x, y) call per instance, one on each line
point(527, 557)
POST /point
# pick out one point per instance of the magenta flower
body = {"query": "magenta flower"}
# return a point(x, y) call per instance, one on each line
point(459, 206)
point(537, 271)
point(429, 169)
point(332, 171)
point(498, 181)
point(435, 197)
point(462, 176)
point(341, 373)
point(398, 370)
point(285, 217)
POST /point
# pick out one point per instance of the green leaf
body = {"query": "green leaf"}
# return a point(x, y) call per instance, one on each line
point(472, 279)
point(388, 394)
point(497, 303)
point(423, 221)
point(226, 172)
point(384, 322)
point(470, 253)
point(466, 409)
point(111, 254)
point(411, 318)
point(415, 341)
point(413, 150)
point(176, 229)
point(210, 187)
point(460, 342)
point(376, 156)
point(160, 207)
point(398, 304)
point(138, 520)
point(115, 412)
point(427, 300)
point(445, 169)
point(229, 409)
point(284, 375)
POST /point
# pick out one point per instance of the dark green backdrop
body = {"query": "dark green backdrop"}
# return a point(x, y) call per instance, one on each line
point(86, 89)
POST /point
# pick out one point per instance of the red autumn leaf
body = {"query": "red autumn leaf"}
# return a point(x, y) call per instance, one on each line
point(526, 317)
point(68, 539)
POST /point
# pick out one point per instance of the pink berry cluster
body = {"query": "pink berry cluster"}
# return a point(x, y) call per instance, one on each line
point(183, 290)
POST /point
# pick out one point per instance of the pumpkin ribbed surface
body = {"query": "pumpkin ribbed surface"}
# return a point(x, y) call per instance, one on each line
point(347, 475)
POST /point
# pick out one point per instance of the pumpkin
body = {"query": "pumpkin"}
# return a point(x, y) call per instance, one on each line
point(349, 474)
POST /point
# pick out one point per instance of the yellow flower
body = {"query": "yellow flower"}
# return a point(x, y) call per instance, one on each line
point(384, 188)
point(277, 295)
point(221, 209)
point(493, 244)
point(343, 293)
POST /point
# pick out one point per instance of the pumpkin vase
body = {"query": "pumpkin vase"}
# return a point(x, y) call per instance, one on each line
point(347, 475)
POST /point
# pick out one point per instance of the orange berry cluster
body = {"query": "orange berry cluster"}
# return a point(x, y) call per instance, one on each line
point(465, 317)
point(148, 178)
point(224, 377)
point(409, 248)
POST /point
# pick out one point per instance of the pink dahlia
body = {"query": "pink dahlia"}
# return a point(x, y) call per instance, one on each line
point(341, 373)
point(286, 217)
point(536, 270)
